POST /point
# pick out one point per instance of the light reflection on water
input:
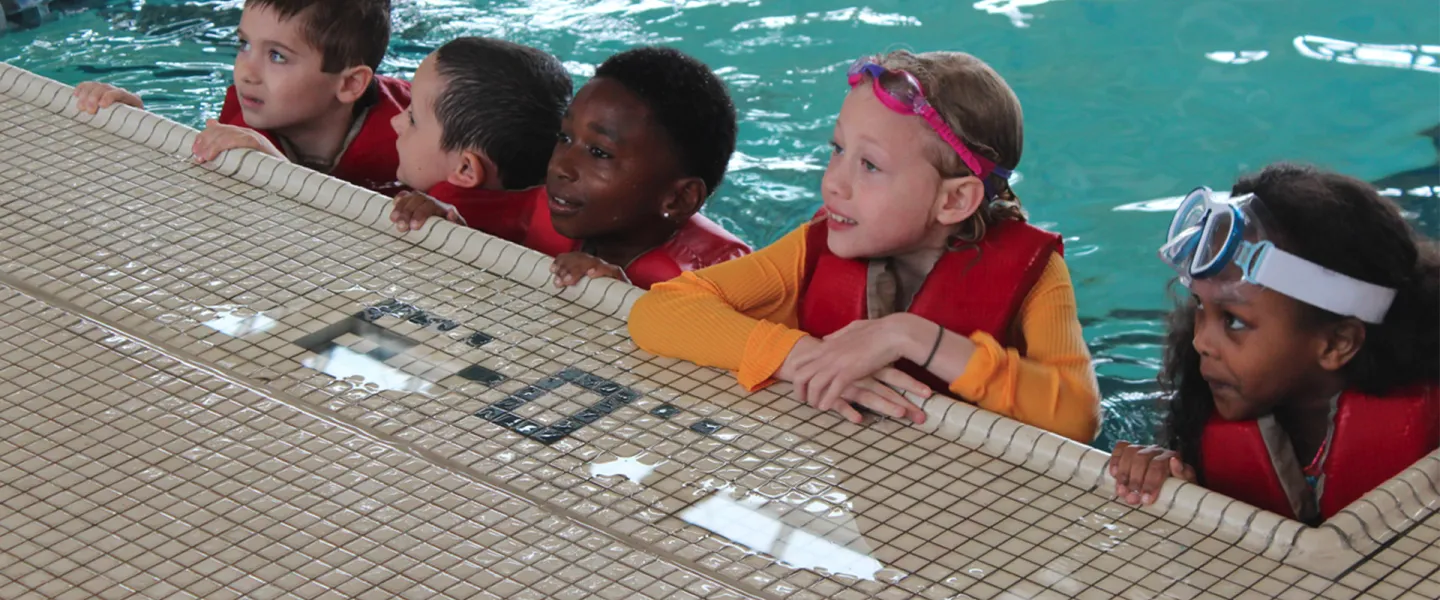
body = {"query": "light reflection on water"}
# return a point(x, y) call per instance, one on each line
point(743, 521)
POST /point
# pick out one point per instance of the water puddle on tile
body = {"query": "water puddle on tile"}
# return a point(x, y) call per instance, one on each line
point(343, 363)
point(632, 468)
point(827, 542)
point(238, 321)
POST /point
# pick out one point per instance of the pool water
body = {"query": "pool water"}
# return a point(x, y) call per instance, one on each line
point(1127, 103)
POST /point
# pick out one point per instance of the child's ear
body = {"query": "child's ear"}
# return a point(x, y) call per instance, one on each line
point(958, 198)
point(684, 199)
point(1341, 344)
point(353, 83)
point(474, 170)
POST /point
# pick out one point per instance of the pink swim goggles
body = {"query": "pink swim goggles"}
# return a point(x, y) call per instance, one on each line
point(901, 92)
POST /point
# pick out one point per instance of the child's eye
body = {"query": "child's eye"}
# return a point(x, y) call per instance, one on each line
point(562, 138)
point(244, 46)
point(277, 57)
point(836, 149)
point(1234, 323)
point(869, 166)
point(598, 153)
point(410, 114)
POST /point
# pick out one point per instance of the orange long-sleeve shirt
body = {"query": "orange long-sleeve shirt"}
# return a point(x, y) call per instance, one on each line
point(743, 315)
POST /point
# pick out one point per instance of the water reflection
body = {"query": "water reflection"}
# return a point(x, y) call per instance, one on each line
point(1011, 9)
point(343, 363)
point(1400, 56)
point(235, 322)
point(743, 522)
point(630, 468)
point(1242, 57)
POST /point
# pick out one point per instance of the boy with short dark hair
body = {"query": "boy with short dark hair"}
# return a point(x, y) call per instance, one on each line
point(305, 89)
point(642, 147)
point(478, 135)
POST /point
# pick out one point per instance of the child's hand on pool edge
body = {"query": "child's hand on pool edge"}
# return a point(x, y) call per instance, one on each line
point(571, 267)
point(880, 390)
point(1140, 471)
point(412, 209)
point(91, 96)
point(218, 138)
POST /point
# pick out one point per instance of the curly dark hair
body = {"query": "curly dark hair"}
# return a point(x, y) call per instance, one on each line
point(1342, 224)
point(689, 102)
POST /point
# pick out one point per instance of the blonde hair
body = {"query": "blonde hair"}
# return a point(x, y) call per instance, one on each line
point(983, 111)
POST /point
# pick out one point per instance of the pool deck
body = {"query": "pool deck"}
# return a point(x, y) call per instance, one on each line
point(238, 381)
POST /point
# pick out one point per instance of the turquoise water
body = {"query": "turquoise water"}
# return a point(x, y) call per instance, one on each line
point(1126, 102)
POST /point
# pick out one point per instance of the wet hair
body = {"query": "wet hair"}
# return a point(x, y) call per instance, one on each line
point(984, 112)
point(1342, 224)
point(347, 33)
point(505, 100)
point(689, 102)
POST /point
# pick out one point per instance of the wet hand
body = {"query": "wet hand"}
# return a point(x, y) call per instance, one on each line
point(92, 96)
point(571, 267)
point(1140, 471)
point(830, 376)
point(412, 209)
point(217, 138)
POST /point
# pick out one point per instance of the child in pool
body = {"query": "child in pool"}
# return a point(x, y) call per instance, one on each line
point(305, 90)
point(478, 134)
point(1302, 368)
point(921, 268)
point(641, 148)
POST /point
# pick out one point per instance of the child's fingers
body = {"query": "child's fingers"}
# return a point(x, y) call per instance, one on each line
point(1155, 476)
point(897, 405)
point(1115, 455)
point(1136, 476)
point(113, 96)
point(903, 381)
point(1181, 470)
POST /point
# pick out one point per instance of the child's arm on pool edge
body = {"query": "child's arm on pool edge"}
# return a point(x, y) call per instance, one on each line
point(1051, 386)
point(739, 315)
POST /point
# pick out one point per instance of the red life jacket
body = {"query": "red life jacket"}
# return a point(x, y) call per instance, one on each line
point(699, 243)
point(1372, 439)
point(370, 161)
point(980, 287)
point(502, 213)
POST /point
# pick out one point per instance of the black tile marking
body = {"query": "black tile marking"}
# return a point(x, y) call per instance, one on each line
point(705, 427)
point(509, 404)
point(481, 374)
point(665, 411)
point(502, 412)
point(478, 339)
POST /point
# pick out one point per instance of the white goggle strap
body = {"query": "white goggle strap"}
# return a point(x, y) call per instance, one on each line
point(1320, 287)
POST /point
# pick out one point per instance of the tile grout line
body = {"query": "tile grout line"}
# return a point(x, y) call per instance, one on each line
point(324, 415)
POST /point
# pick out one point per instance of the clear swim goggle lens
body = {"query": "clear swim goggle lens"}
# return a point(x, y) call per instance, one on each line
point(1223, 239)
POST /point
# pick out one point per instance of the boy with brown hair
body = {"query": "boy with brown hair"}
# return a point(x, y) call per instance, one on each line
point(305, 90)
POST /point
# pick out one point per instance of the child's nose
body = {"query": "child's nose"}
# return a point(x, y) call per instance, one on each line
point(1204, 340)
point(561, 166)
point(833, 185)
point(395, 122)
point(244, 71)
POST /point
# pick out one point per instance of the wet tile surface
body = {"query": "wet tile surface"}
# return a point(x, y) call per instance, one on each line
point(374, 377)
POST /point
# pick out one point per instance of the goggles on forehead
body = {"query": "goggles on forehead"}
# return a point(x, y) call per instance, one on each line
point(901, 92)
point(1224, 240)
